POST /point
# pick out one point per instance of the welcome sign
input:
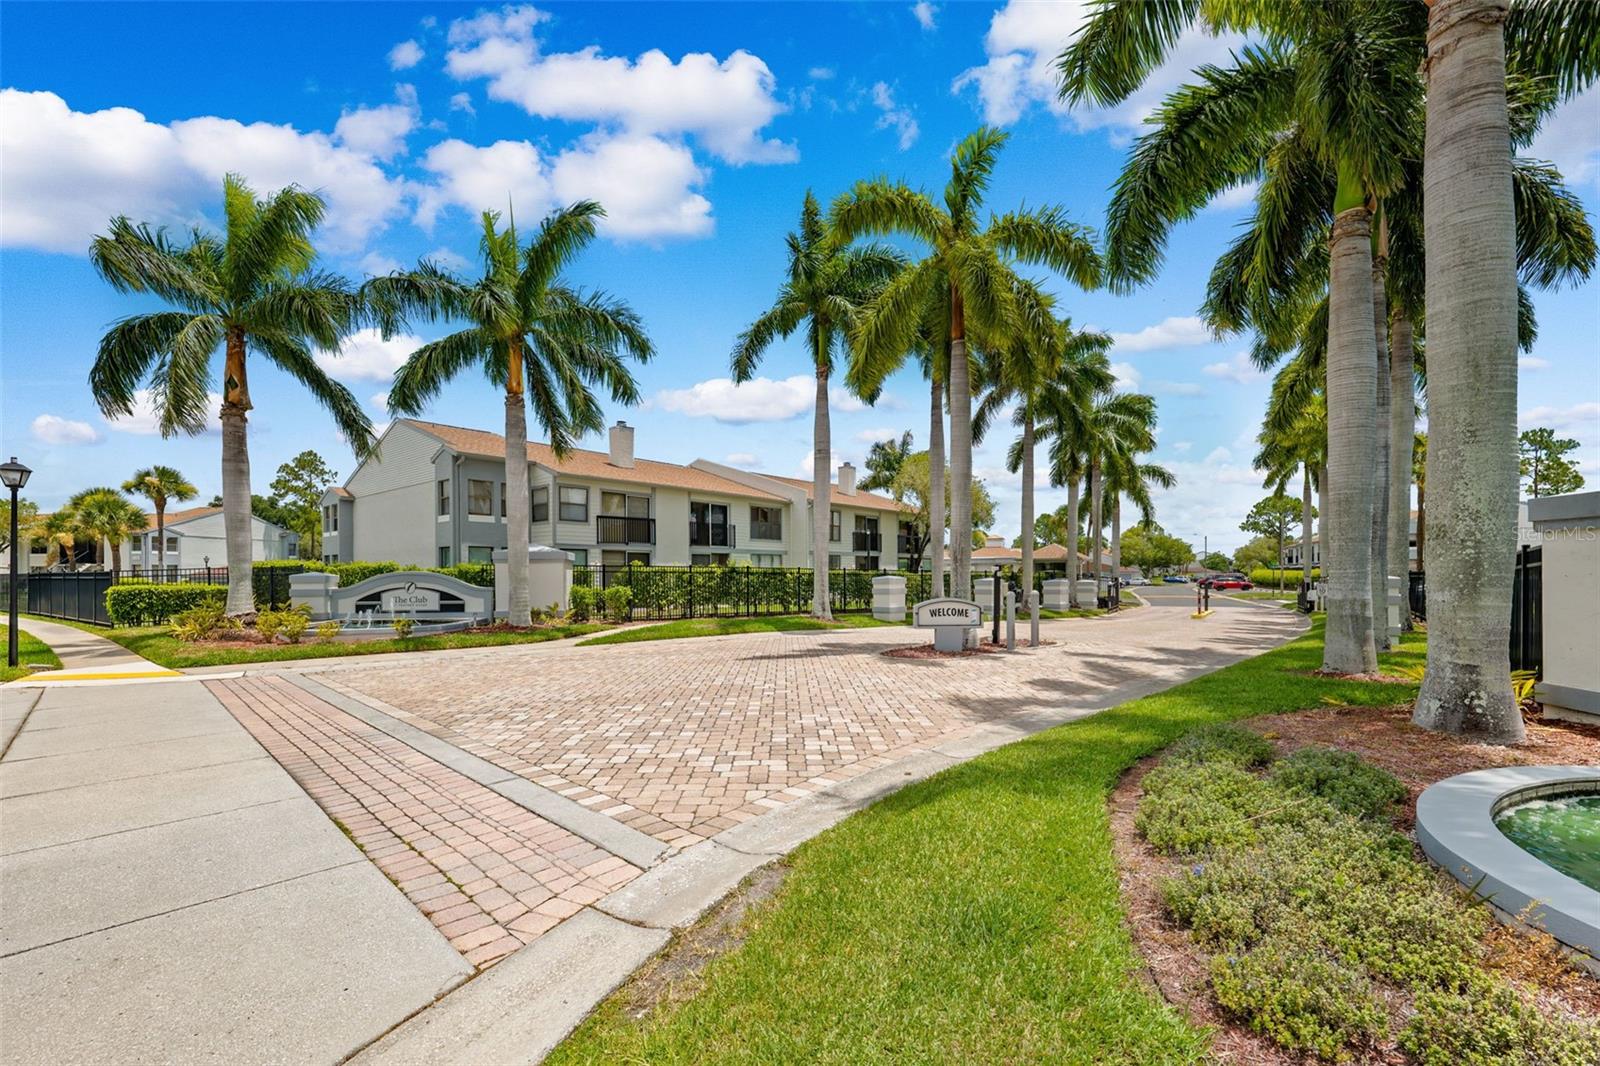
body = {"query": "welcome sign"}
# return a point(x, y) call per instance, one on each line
point(412, 597)
point(947, 611)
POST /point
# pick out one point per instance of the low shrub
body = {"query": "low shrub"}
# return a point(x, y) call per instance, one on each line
point(1291, 577)
point(1190, 807)
point(618, 600)
point(135, 603)
point(1341, 778)
point(1305, 1000)
point(583, 601)
point(1495, 1026)
point(1223, 743)
point(403, 628)
point(290, 624)
point(327, 631)
point(202, 622)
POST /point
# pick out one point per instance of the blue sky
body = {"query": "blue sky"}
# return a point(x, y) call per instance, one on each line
point(699, 126)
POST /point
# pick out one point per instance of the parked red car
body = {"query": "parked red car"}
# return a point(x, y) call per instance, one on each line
point(1223, 582)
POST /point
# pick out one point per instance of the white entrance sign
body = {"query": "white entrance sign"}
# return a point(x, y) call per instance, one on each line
point(949, 618)
point(412, 597)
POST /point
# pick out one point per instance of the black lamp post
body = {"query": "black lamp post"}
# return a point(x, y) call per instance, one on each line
point(14, 475)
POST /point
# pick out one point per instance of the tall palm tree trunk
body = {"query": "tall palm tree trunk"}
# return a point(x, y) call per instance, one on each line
point(1305, 526)
point(1027, 503)
point(1096, 492)
point(1380, 495)
point(518, 607)
point(1352, 439)
point(236, 477)
point(936, 513)
point(1402, 431)
point(1469, 217)
point(161, 535)
point(1116, 535)
point(821, 512)
point(960, 453)
point(1074, 571)
point(1422, 524)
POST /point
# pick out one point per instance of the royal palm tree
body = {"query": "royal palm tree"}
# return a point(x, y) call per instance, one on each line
point(1295, 442)
point(542, 341)
point(106, 515)
point(1114, 429)
point(1047, 370)
point(1126, 476)
point(1469, 215)
point(828, 283)
point(160, 485)
point(254, 289)
point(967, 276)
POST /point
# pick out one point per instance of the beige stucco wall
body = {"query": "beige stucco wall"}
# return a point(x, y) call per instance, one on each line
point(1570, 536)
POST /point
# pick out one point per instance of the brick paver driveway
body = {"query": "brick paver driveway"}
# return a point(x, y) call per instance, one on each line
point(682, 739)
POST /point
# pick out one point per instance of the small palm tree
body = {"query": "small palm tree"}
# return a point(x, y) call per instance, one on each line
point(968, 276)
point(827, 286)
point(105, 514)
point(60, 532)
point(160, 485)
point(252, 290)
point(540, 340)
point(1046, 370)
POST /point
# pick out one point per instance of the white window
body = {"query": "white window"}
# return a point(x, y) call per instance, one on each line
point(479, 553)
point(480, 497)
point(540, 507)
point(444, 499)
point(580, 556)
point(766, 559)
point(574, 503)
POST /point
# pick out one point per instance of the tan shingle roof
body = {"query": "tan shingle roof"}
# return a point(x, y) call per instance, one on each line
point(997, 553)
point(582, 463)
point(174, 517)
point(868, 501)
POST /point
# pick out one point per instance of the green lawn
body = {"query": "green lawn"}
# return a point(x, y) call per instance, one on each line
point(157, 644)
point(972, 917)
point(30, 649)
point(1272, 595)
point(721, 627)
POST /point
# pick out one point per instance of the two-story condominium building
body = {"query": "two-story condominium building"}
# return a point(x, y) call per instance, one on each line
point(434, 495)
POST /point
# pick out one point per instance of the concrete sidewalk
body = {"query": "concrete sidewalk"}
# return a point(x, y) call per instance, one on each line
point(86, 656)
point(171, 895)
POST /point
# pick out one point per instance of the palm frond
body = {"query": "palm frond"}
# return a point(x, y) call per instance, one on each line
point(562, 235)
point(292, 356)
point(1046, 237)
point(1555, 240)
point(136, 258)
point(1557, 40)
point(431, 366)
point(1119, 45)
point(879, 207)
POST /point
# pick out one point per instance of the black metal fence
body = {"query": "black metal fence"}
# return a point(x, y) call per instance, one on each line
point(73, 597)
point(1527, 611)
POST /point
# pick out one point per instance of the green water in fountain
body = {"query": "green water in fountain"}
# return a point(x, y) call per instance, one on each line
point(1561, 831)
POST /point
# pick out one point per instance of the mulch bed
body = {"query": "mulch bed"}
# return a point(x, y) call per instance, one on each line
point(1384, 736)
point(987, 647)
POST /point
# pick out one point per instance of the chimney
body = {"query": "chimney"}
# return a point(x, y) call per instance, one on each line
point(847, 479)
point(622, 445)
point(995, 540)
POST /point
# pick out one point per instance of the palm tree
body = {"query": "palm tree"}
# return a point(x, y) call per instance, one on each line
point(1127, 476)
point(968, 275)
point(1295, 441)
point(105, 514)
point(1469, 216)
point(160, 485)
point(1049, 368)
point(1115, 428)
point(543, 342)
point(1419, 471)
point(827, 286)
point(253, 289)
point(60, 532)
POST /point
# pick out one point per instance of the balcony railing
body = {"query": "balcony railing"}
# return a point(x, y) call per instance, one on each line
point(902, 544)
point(711, 535)
point(866, 541)
point(616, 529)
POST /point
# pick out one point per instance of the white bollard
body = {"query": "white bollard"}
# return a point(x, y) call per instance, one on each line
point(889, 598)
point(1011, 620)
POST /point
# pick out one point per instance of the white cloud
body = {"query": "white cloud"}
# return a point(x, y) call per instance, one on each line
point(646, 184)
point(1024, 39)
point(873, 436)
point(67, 172)
point(378, 132)
point(53, 429)
point(405, 55)
point(1176, 332)
point(725, 105)
point(892, 116)
point(1181, 446)
point(1570, 138)
point(366, 356)
point(742, 459)
point(754, 400)
point(1126, 375)
point(145, 421)
point(376, 264)
point(820, 73)
point(1239, 370)
point(1177, 388)
point(379, 401)
point(463, 102)
point(1236, 197)
point(1584, 415)
point(448, 259)
point(924, 13)
point(1532, 362)
point(1218, 454)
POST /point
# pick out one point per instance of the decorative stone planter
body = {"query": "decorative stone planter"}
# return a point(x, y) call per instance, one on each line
point(889, 598)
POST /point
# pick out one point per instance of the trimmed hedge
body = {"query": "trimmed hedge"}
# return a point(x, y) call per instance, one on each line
point(142, 603)
point(1263, 575)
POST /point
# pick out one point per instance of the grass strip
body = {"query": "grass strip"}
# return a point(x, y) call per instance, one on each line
point(974, 916)
point(30, 650)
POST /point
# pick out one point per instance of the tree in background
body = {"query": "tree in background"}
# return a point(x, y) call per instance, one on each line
point(297, 490)
point(533, 336)
point(911, 490)
point(160, 485)
point(1256, 554)
point(1153, 550)
point(1274, 517)
point(883, 462)
point(254, 289)
point(60, 533)
point(1545, 469)
point(1056, 527)
point(826, 287)
point(106, 515)
point(27, 523)
point(1216, 561)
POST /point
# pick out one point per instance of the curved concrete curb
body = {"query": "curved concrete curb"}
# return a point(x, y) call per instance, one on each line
point(1455, 826)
